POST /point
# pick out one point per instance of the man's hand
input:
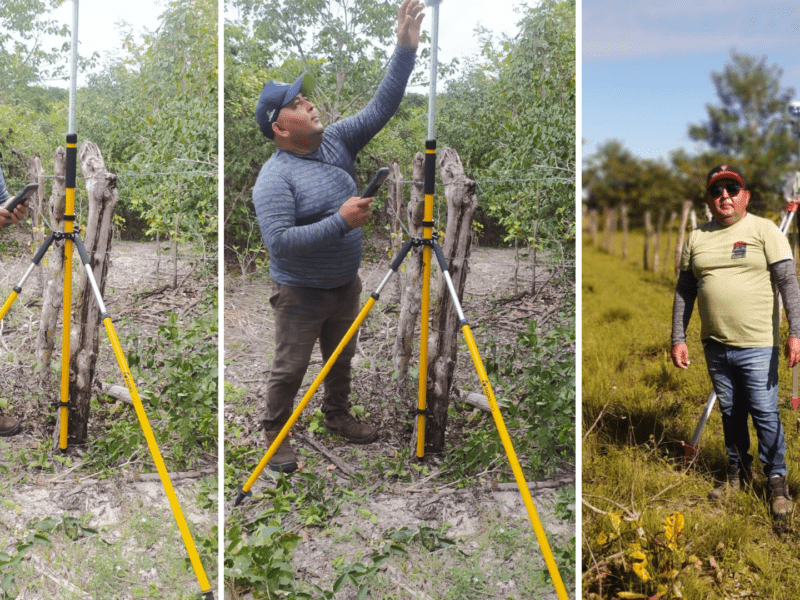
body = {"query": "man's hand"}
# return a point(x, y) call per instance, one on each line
point(680, 356)
point(409, 19)
point(793, 351)
point(9, 218)
point(356, 211)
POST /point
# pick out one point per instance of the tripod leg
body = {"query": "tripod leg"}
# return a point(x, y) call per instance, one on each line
point(245, 489)
point(541, 536)
point(188, 542)
point(37, 258)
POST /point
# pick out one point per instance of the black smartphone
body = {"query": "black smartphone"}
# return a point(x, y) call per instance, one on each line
point(376, 182)
point(27, 193)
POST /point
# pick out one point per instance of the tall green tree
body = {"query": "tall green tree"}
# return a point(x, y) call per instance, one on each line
point(24, 59)
point(512, 119)
point(153, 112)
point(748, 127)
point(346, 45)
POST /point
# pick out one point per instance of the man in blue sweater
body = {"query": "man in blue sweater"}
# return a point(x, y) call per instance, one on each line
point(310, 219)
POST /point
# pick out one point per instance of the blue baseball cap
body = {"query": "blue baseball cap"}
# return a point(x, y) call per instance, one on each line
point(275, 96)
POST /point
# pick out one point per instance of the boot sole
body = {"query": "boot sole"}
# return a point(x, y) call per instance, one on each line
point(352, 440)
point(282, 468)
point(11, 432)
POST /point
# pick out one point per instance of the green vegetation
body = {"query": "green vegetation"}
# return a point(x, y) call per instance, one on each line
point(362, 546)
point(151, 110)
point(519, 95)
point(649, 529)
point(747, 128)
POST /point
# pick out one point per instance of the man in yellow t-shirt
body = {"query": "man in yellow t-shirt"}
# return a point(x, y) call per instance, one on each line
point(729, 264)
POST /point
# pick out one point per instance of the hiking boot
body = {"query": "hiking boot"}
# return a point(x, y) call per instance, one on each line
point(779, 497)
point(346, 426)
point(9, 426)
point(284, 459)
point(735, 479)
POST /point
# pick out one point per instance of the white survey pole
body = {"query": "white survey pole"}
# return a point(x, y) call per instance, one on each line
point(73, 68)
point(434, 62)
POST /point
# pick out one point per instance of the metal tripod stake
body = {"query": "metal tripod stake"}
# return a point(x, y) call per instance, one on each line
point(70, 238)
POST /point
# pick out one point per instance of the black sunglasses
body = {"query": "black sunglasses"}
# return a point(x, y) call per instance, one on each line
point(715, 191)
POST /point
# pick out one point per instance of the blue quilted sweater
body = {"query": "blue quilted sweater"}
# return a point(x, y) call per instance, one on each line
point(297, 197)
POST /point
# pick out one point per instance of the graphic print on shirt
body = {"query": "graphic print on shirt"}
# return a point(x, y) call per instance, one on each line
point(739, 250)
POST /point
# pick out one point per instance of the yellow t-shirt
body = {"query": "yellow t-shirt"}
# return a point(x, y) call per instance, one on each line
point(735, 296)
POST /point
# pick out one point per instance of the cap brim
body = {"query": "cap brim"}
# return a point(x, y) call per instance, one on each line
point(304, 84)
point(725, 175)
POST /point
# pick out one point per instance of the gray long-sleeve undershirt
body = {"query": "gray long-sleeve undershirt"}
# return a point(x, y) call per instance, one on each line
point(783, 275)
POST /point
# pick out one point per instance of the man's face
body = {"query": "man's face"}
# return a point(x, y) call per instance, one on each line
point(298, 124)
point(727, 203)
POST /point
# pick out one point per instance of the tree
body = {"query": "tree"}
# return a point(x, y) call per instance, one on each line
point(749, 128)
point(346, 44)
point(155, 112)
point(512, 117)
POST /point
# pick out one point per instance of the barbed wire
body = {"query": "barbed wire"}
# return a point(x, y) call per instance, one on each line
point(479, 183)
point(136, 174)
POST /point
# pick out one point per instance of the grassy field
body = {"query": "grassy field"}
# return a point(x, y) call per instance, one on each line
point(649, 527)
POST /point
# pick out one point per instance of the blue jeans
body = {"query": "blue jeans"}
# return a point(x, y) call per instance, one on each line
point(746, 383)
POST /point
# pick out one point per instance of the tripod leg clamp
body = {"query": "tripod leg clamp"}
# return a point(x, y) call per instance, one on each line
point(209, 595)
point(67, 405)
point(421, 411)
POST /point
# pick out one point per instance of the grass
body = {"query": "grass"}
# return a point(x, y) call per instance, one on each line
point(637, 411)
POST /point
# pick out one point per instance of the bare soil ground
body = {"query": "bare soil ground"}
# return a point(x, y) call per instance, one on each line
point(395, 491)
point(138, 551)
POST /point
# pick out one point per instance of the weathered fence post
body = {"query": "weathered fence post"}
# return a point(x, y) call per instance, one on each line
point(410, 305)
point(593, 226)
point(395, 201)
point(648, 238)
point(624, 212)
point(52, 295)
point(459, 190)
point(657, 245)
point(36, 175)
point(670, 228)
point(101, 188)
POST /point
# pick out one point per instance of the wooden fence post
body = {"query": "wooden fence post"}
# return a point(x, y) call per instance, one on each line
point(648, 238)
point(101, 188)
point(459, 190)
point(687, 209)
point(657, 245)
point(395, 200)
point(670, 228)
point(410, 305)
point(52, 295)
point(624, 213)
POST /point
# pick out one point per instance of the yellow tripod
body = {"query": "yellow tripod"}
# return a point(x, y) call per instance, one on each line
point(70, 238)
point(429, 244)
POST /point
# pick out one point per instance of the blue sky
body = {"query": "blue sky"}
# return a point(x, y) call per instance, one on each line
point(647, 65)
